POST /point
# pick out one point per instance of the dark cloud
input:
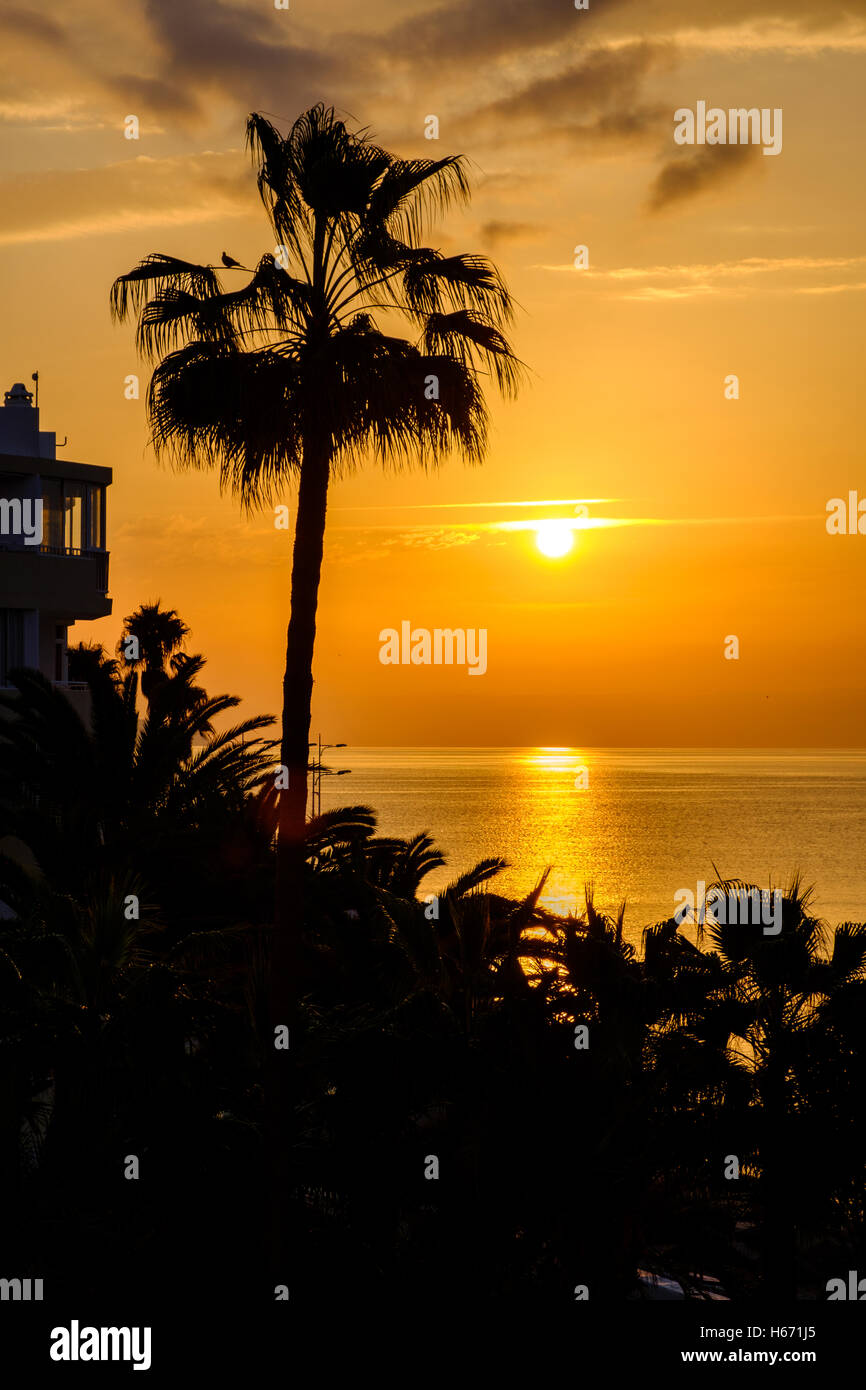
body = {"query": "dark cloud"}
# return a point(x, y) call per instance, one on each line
point(601, 78)
point(489, 28)
point(142, 95)
point(594, 104)
point(33, 25)
point(247, 54)
point(497, 231)
point(472, 30)
point(701, 169)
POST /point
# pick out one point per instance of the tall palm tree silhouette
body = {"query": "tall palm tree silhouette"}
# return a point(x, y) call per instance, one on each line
point(292, 376)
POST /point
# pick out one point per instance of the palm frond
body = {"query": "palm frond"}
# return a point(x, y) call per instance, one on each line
point(130, 292)
point(413, 193)
point(475, 340)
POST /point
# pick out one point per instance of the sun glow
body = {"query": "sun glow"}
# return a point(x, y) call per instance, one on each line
point(554, 538)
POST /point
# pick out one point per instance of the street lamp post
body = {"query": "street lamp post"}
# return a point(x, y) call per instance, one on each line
point(318, 769)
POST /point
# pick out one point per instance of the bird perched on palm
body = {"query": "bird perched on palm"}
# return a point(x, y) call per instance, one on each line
point(229, 261)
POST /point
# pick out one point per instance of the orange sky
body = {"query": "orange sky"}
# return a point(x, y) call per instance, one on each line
point(702, 263)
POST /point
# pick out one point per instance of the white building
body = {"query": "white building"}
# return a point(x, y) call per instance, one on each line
point(56, 574)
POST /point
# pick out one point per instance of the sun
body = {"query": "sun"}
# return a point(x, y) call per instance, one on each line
point(554, 538)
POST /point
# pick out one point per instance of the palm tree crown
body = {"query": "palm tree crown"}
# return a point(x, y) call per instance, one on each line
point(157, 634)
point(246, 376)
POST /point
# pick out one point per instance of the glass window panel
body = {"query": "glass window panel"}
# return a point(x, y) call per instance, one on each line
point(94, 516)
point(73, 500)
point(52, 513)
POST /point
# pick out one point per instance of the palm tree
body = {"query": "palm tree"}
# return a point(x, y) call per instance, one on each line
point(787, 988)
point(112, 791)
point(292, 376)
point(159, 633)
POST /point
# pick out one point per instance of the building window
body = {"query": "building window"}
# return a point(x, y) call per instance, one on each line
point(52, 513)
point(73, 516)
point(73, 506)
point(95, 517)
point(11, 641)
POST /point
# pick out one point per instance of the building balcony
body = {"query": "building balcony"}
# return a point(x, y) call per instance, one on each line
point(68, 582)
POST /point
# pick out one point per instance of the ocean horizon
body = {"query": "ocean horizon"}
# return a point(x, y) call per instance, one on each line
point(640, 824)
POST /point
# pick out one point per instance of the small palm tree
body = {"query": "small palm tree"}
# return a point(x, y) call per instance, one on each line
point(292, 375)
point(158, 635)
point(109, 791)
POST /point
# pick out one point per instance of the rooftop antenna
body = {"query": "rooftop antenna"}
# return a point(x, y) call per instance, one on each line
point(35, 377)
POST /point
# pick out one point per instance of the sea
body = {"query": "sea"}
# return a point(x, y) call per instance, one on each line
point(639, 824)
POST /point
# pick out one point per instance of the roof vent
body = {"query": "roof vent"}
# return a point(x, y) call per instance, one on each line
point(19, 395)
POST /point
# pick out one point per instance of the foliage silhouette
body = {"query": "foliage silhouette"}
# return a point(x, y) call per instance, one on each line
point(448, 1024)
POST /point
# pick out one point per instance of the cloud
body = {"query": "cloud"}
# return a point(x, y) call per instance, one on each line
point(45, 59)
point(138, 192)
point(448, 535)
point(731, 278)
point(184, 540)
point(497, 232)
point(700, 171)
point(583, 87)
point(486, 30)
point(594, 100)
point(35, 25)
point(170, 56)
point(249, 54)
point(144, 95)
point(749, 265)
point(166, 60)
point(831, 289)
point(472, 506)
point(775, 35)
point(438, 538)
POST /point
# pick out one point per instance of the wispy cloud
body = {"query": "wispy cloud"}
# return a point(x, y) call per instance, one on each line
point(436, 538)
point(594, 102)
point(748, 265)
point(493, 29)
point(447, 506)
point(832, 289)
point(463, 533)
point(137, 192)
point(699, 280)
point(828, 33)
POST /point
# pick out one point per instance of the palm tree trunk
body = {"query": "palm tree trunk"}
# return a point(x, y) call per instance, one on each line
point(286, 953)
point(298, 688)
